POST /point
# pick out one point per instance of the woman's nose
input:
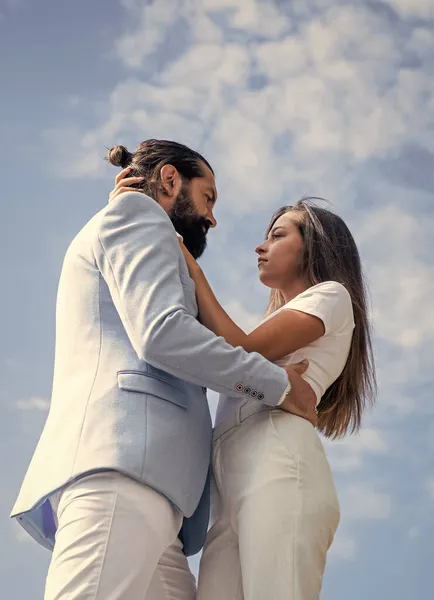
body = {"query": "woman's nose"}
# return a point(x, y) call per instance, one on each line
point(260, 249)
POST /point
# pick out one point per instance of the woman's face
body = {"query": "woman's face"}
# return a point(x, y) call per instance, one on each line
point(279, 256)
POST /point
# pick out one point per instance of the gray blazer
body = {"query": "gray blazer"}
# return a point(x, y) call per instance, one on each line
point(132, 365)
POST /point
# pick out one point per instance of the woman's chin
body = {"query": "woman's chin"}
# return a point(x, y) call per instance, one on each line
point(265, 280)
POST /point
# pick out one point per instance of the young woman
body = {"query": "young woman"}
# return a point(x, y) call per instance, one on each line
point(275, 504)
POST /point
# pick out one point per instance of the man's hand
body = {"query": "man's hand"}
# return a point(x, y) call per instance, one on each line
point(123, 183)
point(301, 400)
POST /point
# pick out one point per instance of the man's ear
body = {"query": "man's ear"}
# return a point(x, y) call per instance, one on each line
point(170, 180)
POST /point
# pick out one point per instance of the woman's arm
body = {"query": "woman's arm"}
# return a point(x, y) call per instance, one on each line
point(284, 333)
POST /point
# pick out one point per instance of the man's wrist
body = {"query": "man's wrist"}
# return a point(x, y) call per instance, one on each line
point(285, 393)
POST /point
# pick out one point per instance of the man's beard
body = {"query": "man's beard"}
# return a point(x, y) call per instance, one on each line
point(188, 224)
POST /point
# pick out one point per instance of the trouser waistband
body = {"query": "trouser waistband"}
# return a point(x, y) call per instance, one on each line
point(239, 415)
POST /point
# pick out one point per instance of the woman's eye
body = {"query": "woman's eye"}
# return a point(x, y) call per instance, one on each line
point(276, 235)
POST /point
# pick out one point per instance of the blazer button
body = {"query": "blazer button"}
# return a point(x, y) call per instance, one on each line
point(254, 393)
point(261, 396)
point(239, 387)
point(247, 390)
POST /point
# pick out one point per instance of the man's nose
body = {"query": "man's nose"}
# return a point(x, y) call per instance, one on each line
point(211, 220)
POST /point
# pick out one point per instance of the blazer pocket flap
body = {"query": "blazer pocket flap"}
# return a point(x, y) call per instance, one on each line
point(144, 384)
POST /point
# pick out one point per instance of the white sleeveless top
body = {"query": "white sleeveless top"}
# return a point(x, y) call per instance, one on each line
point(330, 302)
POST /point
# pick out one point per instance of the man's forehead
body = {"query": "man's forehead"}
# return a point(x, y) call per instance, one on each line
point(209, 180)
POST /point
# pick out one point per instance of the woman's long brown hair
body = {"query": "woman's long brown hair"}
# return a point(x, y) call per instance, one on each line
point(330, 254)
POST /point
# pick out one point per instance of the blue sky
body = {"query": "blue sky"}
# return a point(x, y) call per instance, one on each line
point(331, 98)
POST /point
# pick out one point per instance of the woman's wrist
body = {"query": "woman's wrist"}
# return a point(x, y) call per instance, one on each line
point(195, 270)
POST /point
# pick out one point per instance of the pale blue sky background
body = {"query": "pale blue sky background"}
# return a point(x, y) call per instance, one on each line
point(331, 98)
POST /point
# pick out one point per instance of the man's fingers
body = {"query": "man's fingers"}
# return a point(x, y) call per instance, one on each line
point(313, 418)
point(300, 367)
point(309, 415)
point(122, 174)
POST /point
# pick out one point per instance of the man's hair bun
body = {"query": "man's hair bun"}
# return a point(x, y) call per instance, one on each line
point(119, 156)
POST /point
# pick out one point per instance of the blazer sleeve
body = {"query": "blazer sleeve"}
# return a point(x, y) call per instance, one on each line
point(137, 253)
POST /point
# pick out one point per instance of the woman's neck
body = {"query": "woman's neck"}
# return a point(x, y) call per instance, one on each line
point(294, 288)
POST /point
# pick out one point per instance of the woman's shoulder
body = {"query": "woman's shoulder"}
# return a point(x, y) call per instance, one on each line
point(326, 289)
point(328, 300)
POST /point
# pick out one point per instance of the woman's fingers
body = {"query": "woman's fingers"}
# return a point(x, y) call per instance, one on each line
point(128, 182)
point(123, 185)
point(122, 174)
point(117, 191)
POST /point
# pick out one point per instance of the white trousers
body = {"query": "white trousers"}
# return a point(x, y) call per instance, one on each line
point(277, 512)
point(117, 540)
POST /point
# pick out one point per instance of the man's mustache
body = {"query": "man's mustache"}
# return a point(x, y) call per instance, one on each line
point(205, 225)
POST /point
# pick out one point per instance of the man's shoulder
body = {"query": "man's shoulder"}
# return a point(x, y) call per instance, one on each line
point(132, 203)
point(130, 219)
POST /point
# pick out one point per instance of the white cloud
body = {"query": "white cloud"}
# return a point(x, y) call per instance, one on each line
point(334, 92)
point(421, 42)
point(73, 101)
point(344, 547)
point(244, 155)
point(359, 501)
point(284, 106)
point(413, 533)
point(209, 66)
point(402, 280)
point(133, 106)
point(286, 114)
point(131, 5)
point(238, 313)
point(334, 85)
point(20, 534)
point(419, 9)
point(283, 58)
point(33, 403)
point(213, 399)
point(253, 16)
point(349, 453)
point(153, 22)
